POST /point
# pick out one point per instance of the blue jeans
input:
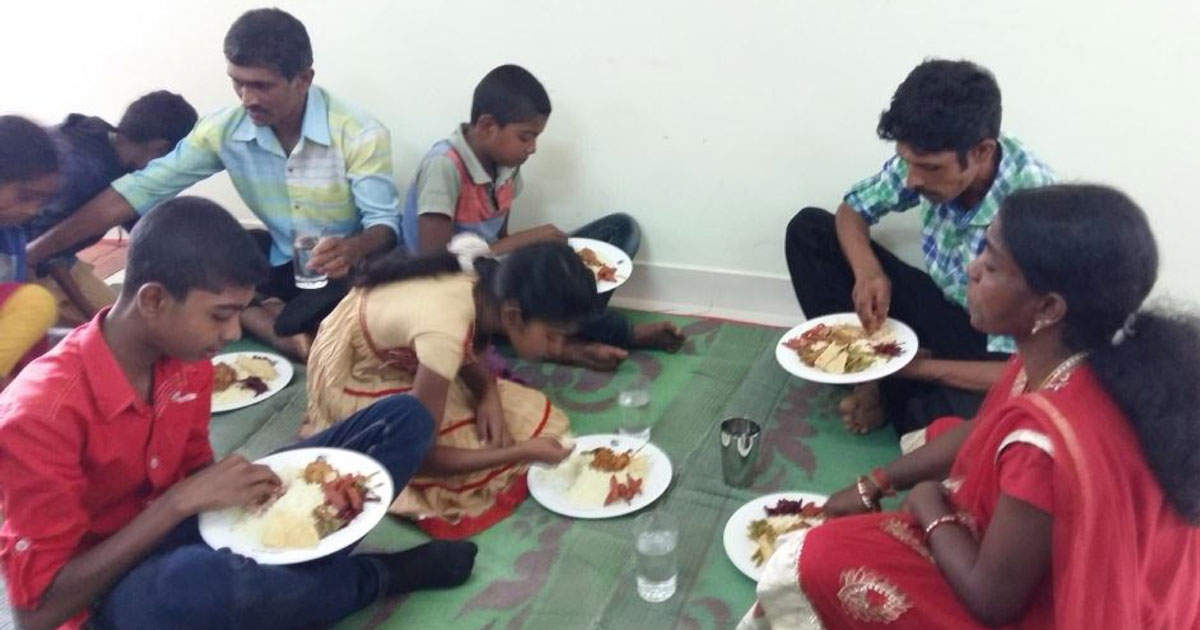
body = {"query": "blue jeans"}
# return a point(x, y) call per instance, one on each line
point(608, 326)
point(186, 585)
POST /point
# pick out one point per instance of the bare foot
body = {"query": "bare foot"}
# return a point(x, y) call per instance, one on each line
point(862, 409)
point(658, 336)
point(596, 356)
point(296, 346)
point(260, 322)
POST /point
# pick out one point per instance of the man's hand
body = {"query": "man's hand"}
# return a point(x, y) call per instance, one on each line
point(872, 298)
point(490, 423)
point(334, 256)
point(231, 482)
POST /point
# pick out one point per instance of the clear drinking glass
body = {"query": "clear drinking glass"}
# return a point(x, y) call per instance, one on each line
point(304, 239)
point(634, 401)
point(655, 536)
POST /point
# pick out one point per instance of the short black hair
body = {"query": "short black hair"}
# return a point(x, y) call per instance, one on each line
point(192, 243)
point(26, 150)
point(270, 38)
point(160, 115)
point(510, 94)
point(944, 106)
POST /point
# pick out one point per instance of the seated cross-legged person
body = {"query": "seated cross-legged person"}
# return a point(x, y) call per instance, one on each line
point(297, 155)
point(105, 461)
point(29, 168)
point(420, 325)
point(93, 154)
point(1070, 501)
point(467, 183)
point(954, 166)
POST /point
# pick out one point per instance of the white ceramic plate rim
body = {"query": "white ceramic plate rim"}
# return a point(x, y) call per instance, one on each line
point(217, 528)
point(790, 361)
point(611, 254)
point(738, 546)
point(545, 490)
point(283, 375)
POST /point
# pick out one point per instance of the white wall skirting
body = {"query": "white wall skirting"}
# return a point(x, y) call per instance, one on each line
point(686, 290)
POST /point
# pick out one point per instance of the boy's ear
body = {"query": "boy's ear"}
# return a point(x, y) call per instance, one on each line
point(487, 123)
point(153, 299)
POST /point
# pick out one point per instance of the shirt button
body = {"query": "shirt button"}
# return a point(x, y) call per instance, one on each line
point(154, 462)
point(23, 544)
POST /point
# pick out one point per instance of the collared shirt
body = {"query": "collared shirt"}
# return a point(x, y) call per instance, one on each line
point(88, 164)
point(951, 235)
point(453, 182)
point(81, 454)
point(339, 175)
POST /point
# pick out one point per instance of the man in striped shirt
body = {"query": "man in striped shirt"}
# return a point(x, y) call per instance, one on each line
point(296, 155)
point(954, 166)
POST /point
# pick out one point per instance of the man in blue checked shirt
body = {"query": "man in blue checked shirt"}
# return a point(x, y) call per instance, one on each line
point(953, 164)
point(296, 154)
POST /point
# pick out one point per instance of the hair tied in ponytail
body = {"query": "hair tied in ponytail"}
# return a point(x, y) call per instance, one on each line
point(1126, 330)
point(468, 246)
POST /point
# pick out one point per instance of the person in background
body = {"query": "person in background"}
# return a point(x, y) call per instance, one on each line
point(955, 167)
point(297, 156)
point(420, 325)
point(468, 182)
point(29, 168)
point(105, 461)
point(1071, 500)
point(93, 153)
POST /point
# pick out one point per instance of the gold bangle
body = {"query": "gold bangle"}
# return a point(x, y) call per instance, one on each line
point(942, 520)
point(867, 501)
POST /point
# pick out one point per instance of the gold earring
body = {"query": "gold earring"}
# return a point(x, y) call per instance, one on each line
point(1038, 326)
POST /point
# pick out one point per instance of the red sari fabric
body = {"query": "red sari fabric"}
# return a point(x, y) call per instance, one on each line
point(1123, 559)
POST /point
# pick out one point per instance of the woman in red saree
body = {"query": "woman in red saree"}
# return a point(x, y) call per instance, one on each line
point(1070, 501)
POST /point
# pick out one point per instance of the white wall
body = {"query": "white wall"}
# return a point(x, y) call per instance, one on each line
point(711, 121)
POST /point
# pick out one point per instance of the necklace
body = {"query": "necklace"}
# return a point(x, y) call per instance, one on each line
point(1057, 378)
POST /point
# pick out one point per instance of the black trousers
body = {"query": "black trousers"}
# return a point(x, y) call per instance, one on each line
point(303, 309)
point(823, 282)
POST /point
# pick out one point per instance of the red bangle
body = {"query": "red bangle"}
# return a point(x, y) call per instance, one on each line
point(881, 479)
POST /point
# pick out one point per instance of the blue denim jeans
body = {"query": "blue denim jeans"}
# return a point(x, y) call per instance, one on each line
point(608, 326)
point(186, 585)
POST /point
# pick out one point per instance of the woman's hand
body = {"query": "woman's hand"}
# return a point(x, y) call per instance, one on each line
point(544, 450)
point(490, 424)
point(926, 502)
point(848, 501)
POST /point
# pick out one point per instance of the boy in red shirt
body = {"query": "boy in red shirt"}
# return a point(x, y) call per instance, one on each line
point(105, 460)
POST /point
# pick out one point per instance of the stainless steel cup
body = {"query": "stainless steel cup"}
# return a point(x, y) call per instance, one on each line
point(741, 441)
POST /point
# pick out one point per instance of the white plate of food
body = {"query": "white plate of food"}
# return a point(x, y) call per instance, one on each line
point(332, 497)
point(751, 532)
point(606, 475)
point(611, 265)
point(836, 349)
point(245, 378)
